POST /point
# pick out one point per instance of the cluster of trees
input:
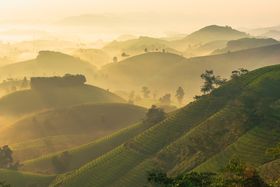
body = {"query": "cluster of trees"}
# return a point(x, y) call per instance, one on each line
point(165, 99)
point(6, 158)
point(212, 81)
point(62, 162)
point(66, 80)
point(155, 115)
point(235, 174)
point(163, 50)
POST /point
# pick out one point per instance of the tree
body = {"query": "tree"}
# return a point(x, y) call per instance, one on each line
point(210, 81)
point(115, 59)
point(154, 115)
point(165, 100)
point(124, 54)
point(180, 93)
point(24, 83)
point(62, 162)
point(146, 92)
point(237, 73)
point(6, 158)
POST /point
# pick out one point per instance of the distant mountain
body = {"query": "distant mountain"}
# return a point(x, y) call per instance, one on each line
point(240, 118)
point(246, 43)
point(165, 72)
point(206, 40)
point(48, 63)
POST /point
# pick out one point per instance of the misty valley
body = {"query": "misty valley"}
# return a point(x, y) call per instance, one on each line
point(191, 109)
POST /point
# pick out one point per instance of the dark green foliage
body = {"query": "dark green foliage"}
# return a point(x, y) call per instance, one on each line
point(235, 174)
point(155, 115)
point(62, 162)
point(180, 93)
point(274, 151)
point(4, 184)
point(237, 73)
point(66, 80)
point(6, 158)
point(210, 81)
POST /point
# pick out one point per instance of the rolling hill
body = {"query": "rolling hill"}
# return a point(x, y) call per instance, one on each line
point(207, 34)
point(22, 179)
point(237, 116)
point(137, 46)
point(58, 129)
point(165, 72)
point(80, 155)
point(15, 103)
point(48, 63)
point(246, 43)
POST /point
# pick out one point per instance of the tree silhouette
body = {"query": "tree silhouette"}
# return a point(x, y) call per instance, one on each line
point(180, 93)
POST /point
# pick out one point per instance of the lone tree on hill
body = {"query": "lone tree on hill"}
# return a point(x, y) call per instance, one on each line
point(146, 50)
point(210, 81)
point(155, 115)
point(180, 93)
point(115, 59)
point(6, 158)
point(146, 92)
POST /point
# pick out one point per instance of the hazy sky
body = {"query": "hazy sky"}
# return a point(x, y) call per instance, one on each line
point(197, 12)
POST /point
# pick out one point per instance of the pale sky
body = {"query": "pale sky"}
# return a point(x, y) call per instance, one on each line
point(232, 12)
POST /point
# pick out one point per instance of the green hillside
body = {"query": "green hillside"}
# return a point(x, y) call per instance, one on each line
point(239, 111)
point(58, 129)
point(82, 154)
point(21, 179)
point(165, 72)
point(48, 63)
point(246, 43)
point(15, 103)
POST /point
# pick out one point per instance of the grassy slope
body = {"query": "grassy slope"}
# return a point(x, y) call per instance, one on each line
point(82, 154)
point(21, 179)
point(15, 103)
point(141, 147)
point(186, 138)
point(84, 122)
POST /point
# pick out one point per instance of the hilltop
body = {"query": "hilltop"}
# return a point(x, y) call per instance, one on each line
point(205, 35)
point(50, 92)
point(237, 116)
point(48, 63)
